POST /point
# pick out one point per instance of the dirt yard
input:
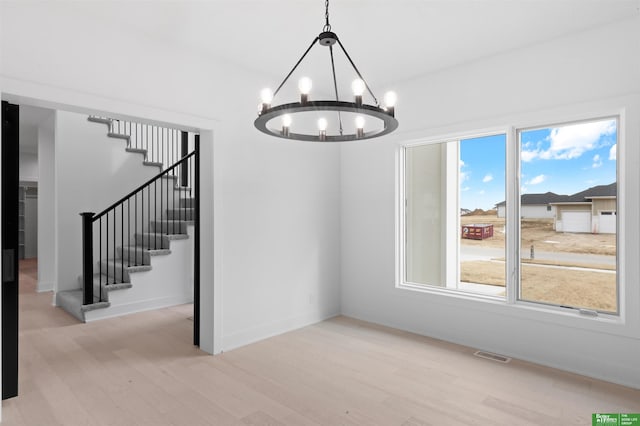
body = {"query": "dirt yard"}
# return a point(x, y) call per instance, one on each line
point(559, 285)
point(540, 234)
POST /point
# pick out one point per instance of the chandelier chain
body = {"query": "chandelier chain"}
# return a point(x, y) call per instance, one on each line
point(327, 26)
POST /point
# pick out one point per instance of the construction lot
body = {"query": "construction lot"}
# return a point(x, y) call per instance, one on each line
point(569, 269)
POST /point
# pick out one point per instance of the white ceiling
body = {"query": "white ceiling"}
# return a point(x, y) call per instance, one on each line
point(389, 41)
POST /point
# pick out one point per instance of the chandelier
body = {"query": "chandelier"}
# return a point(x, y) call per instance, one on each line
point(384, 117)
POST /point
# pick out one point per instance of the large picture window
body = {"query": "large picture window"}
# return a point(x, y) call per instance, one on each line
point(559, 216)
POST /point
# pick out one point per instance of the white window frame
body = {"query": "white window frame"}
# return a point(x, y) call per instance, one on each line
point(526, 309)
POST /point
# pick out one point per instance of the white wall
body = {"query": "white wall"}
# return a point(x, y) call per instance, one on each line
point(28, 167)
point(537, 212)
point(275, 203)
point(591, 73)
point(46, 205)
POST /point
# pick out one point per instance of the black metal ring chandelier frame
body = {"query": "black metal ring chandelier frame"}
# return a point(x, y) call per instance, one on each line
point(268, 112)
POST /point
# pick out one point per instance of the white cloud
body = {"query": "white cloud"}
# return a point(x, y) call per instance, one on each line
point(571, 141)
point(597, 161)
point(481, 192)
point(613, 152)
point(536, 180)
point(523, 189)
point(466, 188)
point(487, 178)
point(527, 156)
point(463, 175)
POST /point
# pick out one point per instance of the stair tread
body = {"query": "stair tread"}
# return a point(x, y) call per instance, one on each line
point(137, 150)
point(167, 236)
point(100, 120)
point(74, 297)
point(118, 136)
point(150, 251)
point(131, 268)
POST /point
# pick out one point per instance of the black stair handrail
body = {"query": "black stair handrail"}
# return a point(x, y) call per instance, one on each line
point(185, 171)
point(147, 183)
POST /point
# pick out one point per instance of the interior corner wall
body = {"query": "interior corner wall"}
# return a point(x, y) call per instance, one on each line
point(46, 205)
point(577, 75)
point(28, 167)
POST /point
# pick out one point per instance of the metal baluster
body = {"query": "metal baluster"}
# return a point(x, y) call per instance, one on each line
point(161, 200)
point(149, 213)
point(135, 225)
point(107, 253)
point(100, 258)
point(155, 214)
point(121, 241)
point(142, 221)
point(115, 231)
point(156, 145)
point(129, 231)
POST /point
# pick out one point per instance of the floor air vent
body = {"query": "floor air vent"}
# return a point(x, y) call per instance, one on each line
point(493, 357)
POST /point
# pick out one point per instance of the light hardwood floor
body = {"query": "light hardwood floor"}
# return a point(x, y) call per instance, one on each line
point(143, 370)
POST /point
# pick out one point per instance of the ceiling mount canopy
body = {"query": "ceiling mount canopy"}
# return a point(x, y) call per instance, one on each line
point(325, 110)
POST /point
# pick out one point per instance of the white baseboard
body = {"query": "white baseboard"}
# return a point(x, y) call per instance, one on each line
point(141, 306)
point(254, 334)
point(44, 286)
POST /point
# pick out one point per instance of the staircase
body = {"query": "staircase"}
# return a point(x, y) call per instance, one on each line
point(136, 253)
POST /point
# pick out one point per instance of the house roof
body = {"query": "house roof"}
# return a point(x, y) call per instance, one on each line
point(532, 199)
point(610, 190)
point(585, 196)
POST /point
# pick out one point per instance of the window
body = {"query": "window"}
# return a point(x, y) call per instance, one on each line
point(454, 215)
point(560, 216)
point(570, 259)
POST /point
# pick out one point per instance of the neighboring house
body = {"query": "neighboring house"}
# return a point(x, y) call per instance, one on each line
point(534, 206)
point(593, 210)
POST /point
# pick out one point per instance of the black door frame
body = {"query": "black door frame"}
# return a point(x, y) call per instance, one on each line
point(10, 183)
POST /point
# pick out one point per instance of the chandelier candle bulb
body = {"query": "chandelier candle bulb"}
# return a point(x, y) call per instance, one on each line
point(322, 127)
point(358, 87)
point(286, 123)
point(304, 85)
point(390, 99)
point(359, 126)
point(266, 95)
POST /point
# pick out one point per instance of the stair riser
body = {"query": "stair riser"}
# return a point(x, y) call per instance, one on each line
point(181, 214)
point(118, 273)
point(169, 227)
point(96, 288)
point(135, 256)
point(187, 202)
point(153, 242)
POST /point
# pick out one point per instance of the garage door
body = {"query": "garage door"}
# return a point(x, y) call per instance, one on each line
point(608, 222)
point(576, 221)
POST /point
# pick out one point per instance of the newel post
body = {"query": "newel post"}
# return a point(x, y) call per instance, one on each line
point(87, 258)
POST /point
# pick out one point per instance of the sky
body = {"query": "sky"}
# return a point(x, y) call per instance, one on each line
point(564, 160)
point(482, 172)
